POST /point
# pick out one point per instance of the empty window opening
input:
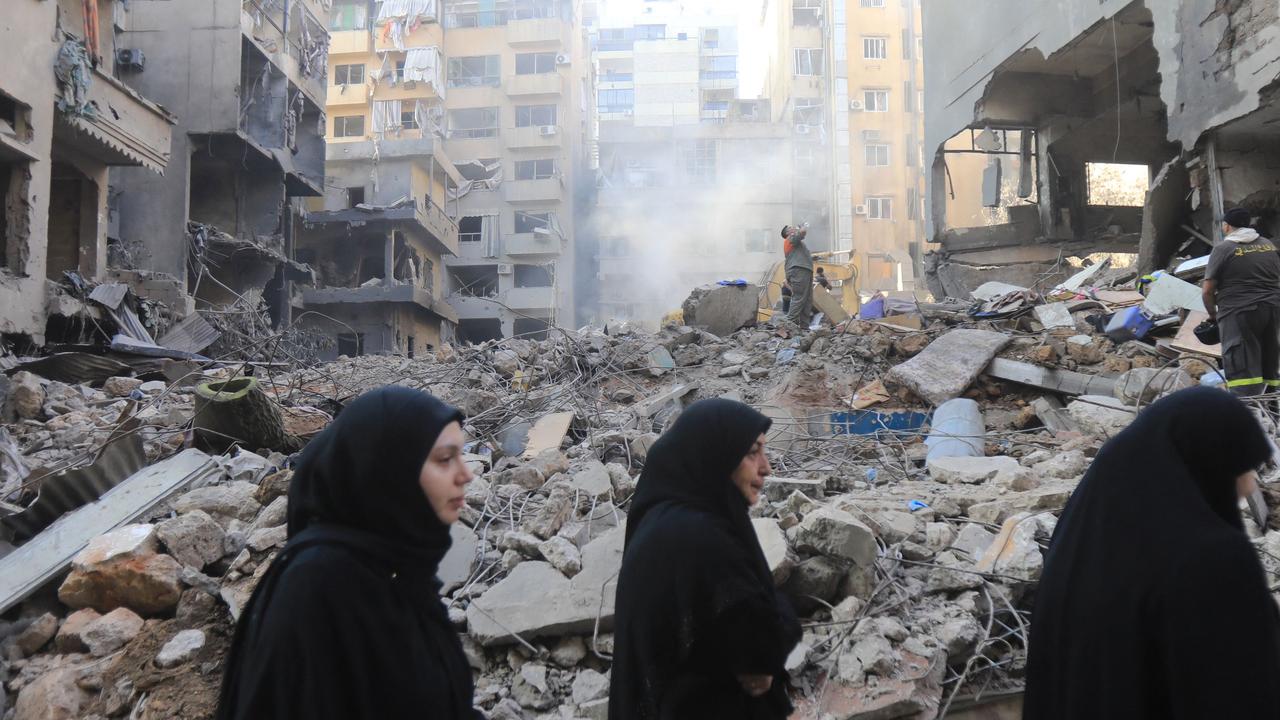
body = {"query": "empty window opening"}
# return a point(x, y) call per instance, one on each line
point(474, 71)
point(534, 275)
point(474, 332)
point(1117, 184)
point(806, 12)
point(412, 349)
point(480, 281)
point(470, 229)
point(351, 344)
point(527, 222)
point(355, 196)
point(474, 123)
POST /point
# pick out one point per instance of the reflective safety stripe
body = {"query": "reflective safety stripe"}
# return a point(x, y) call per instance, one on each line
point(1245, 381)
point(1273, 383)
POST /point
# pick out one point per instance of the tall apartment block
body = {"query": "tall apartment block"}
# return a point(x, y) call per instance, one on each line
point(455, 141)
point(67, 118)
point(245, 81)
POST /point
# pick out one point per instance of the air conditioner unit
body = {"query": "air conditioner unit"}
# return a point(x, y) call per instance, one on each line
point(547, 130)
point(131, 58)
point(855, 106)
point(801, 129)
point(562, 59)
point(859, 209)
point(505, 268)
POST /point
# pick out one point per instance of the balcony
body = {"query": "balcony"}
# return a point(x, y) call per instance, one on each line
point(474, 308)
point(718, 80)
point(522, 244)
point(423, 212)
point(118, 126)
point(410, 294)
point(538, 31)
point(535, 136)
point(538, 84)
point(533, 191)
point(350, 42)
point(531, 298)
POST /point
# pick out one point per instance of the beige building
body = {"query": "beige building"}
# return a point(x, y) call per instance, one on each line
point(474, 116)
point(66, 118)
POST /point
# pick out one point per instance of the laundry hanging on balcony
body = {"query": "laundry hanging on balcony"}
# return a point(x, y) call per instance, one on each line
point(398, 18)
point(477, 175)
point(422, 64)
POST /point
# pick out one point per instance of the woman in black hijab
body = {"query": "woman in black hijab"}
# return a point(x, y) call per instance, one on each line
point(348, 622)
point(1153, 603)
point(700, 633)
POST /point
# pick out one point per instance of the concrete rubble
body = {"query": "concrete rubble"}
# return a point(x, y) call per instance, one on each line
point(913, 578)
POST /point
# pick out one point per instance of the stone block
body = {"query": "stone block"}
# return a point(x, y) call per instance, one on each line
point(950, 364)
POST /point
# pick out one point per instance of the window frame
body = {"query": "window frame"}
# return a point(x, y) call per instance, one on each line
point(877, 42)
point(455, 79)
point(809, 54)
point(541, 169)
point(345, 121)
point(527, 112)
point(475, 132)
point(345, 71)
point(874, 151)
point(538, 59)
point(544, 217)
point(881, 203)
point(871, 100)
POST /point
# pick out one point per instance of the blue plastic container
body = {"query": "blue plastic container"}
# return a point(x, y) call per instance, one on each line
point(1129, 324)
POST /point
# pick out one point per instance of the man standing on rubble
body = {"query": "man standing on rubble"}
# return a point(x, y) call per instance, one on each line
point(1242, 293)
point(799, 272)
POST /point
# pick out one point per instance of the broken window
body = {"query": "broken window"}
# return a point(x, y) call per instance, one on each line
point(469, 228)
point(474, 123)
point(348, 74)
point(877, 155)
point(527, 276)
point(809, 61)
point(349, 15)
point(875, 48)
point(875, 100)
point(535, 115)
point(700, 161)
point(619, 100)
point(1117, 184)
point(475, 280)
point(474, 71)
point(806, 12)
point(527, 222)
point(355, 196)
point(808, 111)
point(536, 169)
point(409, 114)
point(351, 344)
point(879, 208)
point(348, 126)
point(535, 63)
point(479, 330)
point(759, 241)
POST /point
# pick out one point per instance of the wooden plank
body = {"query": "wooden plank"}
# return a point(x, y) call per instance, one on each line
point(1119, 298)
point(26, 569)
point(1062, 381)
point(1186, 339)
point(901, 322)
point(547, 433)
point(829, 305)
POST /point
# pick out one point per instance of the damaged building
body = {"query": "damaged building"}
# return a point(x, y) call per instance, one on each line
point(66, 119)
point(1064, 130)
point(246, 79)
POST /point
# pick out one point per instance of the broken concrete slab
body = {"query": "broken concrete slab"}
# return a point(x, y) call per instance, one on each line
point(1054, 416)
point(181, 648)
point(193, 538)
point(1054, 315)
point(777, 552)
point(536, 600)
point(1100, 415)
point(1063, 381)
point(1001, 470)
point(111, 631)
point(547, 433)
point(722, 309)
point(839, 534)
point(457, 565)
point(1146, 385)
point(593, 479)
point(914, 692)
point(949, 365)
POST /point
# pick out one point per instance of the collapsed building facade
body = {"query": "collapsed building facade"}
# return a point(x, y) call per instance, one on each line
point(66, 119)
point(1030, 103)
point(245, 79)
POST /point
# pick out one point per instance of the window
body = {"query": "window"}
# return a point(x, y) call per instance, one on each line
point(700, 161)
point(613, 101)
point(535, 115)
point(348, 15)
point(470, 228)
point(527, 222)
point(348, 74)
point(409, 114)
point(710, 38)
point(351, 344)
point(355, 196)
point(651, 32)
point(877, 155)
point(806, 12)
point(759, 241)
point(348, 126)
point(720, 67)
point(534, 275)
point(875, 48)
point(873, 3)
point(809, 61)
point(474, 123)
point(400, 71)
point(1117, 184)
point(879, 208)
point(875, 100)
point(616, 39)
point(474, 71)
point(536, 169)
point(535, 63)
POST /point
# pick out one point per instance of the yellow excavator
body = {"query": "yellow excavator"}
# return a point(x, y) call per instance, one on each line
point(841, 272)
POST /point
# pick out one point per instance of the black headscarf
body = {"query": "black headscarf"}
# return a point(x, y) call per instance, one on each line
point(1153, 603)
point(348, 622)
point(696, 604)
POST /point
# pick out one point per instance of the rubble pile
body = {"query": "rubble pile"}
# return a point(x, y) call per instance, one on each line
point(918, 475)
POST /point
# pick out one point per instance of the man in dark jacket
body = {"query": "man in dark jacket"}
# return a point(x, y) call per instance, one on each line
point(1242, 292)
point(799, 271)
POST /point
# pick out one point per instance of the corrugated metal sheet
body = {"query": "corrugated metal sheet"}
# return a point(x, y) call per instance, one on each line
point(191, 335)
point(60, 494)
point(76, 367)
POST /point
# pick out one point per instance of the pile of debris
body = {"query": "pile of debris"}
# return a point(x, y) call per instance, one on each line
point(919, 465)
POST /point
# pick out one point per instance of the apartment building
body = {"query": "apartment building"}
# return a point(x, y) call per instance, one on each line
point(66, 119)
point(246, 82)
point(881, 99)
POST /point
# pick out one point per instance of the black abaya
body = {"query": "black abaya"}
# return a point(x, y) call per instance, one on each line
point(1153, 604)
point(348, 622)
point(696, 605)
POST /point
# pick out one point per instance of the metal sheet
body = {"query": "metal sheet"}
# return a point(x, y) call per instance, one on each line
point(191, 335)
point(109, 295)
point(75, 368)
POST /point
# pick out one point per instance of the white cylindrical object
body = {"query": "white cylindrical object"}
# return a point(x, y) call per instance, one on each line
point(957, 430)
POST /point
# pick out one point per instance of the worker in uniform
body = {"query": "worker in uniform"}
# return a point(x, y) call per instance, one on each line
point(799, 272)
point(1242, 294)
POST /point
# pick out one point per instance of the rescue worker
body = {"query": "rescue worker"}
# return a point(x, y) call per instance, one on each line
point(1242, 294)
point(799, 272)
point(821, 279)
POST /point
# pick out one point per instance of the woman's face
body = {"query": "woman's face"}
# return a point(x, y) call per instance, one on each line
point(444, 475)
point(750, 474)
